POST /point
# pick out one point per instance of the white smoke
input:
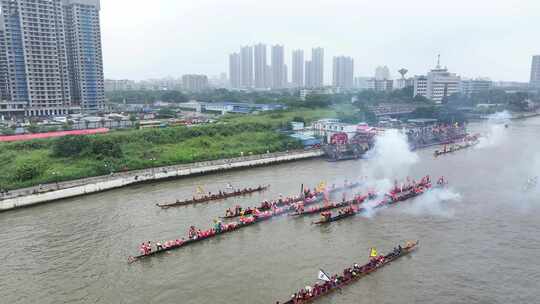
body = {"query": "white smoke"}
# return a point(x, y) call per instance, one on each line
point(389, 159)
point(391, 156)
point(434, 202)
point(497, 133)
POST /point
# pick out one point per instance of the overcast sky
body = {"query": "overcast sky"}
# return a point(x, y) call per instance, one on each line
point(159, 38)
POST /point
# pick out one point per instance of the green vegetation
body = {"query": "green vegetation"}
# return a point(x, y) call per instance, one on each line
point(145, 96)
point(51, 160)
point(280, 119)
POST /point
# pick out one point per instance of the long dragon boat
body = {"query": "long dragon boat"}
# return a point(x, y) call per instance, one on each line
point(211, 233)
point(455, 148)
point(350, 275)
point(318, 209)
point(214, 197)
point(388, 200)
point(309, 200)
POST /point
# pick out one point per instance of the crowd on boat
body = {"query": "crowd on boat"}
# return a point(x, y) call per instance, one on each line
point(435, 133)
point(308, 196)
point(468, 142)
point(398, 193)
point(336, 281)
point(215, 196)
point(267, 210)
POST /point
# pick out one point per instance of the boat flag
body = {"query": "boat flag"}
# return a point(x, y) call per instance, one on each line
point(200, 190)
point(323, 276)
point(373, 253)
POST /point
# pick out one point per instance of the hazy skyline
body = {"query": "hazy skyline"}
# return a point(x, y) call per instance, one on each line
point(170, 38)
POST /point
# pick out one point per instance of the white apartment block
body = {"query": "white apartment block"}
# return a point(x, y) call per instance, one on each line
point(52, 57)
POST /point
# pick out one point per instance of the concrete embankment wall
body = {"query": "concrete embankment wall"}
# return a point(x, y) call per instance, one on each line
point(105, 183)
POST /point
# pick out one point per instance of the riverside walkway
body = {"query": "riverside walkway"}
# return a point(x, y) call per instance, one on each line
point(56, 191)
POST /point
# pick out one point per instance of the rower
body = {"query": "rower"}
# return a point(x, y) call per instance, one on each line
point(192, 233)
point(142, 248)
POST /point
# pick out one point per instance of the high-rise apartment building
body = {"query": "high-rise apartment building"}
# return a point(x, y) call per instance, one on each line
point(298, 68)
point(535, 72)
point(285, 76)
point(246, 67)
point(278, 66)
point(195, 83)
point(53, 56)
point(309, 82)
point(382, 73)
point(85, 59)
point(234, 70)
point(269, 75)
point(4, 88)
point(260, 66)
point(343, 72)
point(317, 65)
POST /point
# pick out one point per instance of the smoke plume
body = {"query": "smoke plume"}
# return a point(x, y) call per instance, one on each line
point(497, 134)
point(434, 202)
point(391, 156)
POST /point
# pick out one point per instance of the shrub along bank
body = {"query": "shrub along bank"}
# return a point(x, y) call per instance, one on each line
point(25, 164)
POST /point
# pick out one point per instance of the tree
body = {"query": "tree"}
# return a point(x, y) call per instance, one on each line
point(7, 131)
point(33, 128)
point(70, 146)
point(299, 119)
point(166, 113)
point(106, 147)
point(420, 99)
point(317, 101)
point(28, 170)
point(174, 96)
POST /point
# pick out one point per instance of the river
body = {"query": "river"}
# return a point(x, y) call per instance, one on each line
point(480, 240)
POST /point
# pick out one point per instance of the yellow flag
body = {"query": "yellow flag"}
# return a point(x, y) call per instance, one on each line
point(373, 253)
point(200, 190)
point(321, 186)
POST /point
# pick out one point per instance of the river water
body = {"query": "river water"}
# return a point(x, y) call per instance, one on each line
point(480, 240)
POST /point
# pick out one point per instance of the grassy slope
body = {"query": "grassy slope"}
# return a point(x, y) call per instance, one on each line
point(148, 148)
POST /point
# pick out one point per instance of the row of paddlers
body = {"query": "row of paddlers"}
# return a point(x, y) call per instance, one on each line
point(287, 205)
point(257, 217)
point(214, 197)
point(349, 275)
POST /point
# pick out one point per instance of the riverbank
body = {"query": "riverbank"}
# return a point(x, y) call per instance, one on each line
point(57, 191)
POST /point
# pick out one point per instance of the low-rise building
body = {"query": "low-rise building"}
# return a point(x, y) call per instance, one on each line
point(402, 83)
point(437, 85)
point(306, 92)
point(475, 86)
point(229, 107)
point(380, 85)
point(325, 128)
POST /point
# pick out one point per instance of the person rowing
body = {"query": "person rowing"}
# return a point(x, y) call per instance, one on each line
point(218, 226)
point(192, 233)
point(441, 181)
point(143, 249)
point(325, 216)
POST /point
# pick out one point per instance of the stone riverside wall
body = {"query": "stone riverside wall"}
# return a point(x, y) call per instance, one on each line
point(57, 191)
